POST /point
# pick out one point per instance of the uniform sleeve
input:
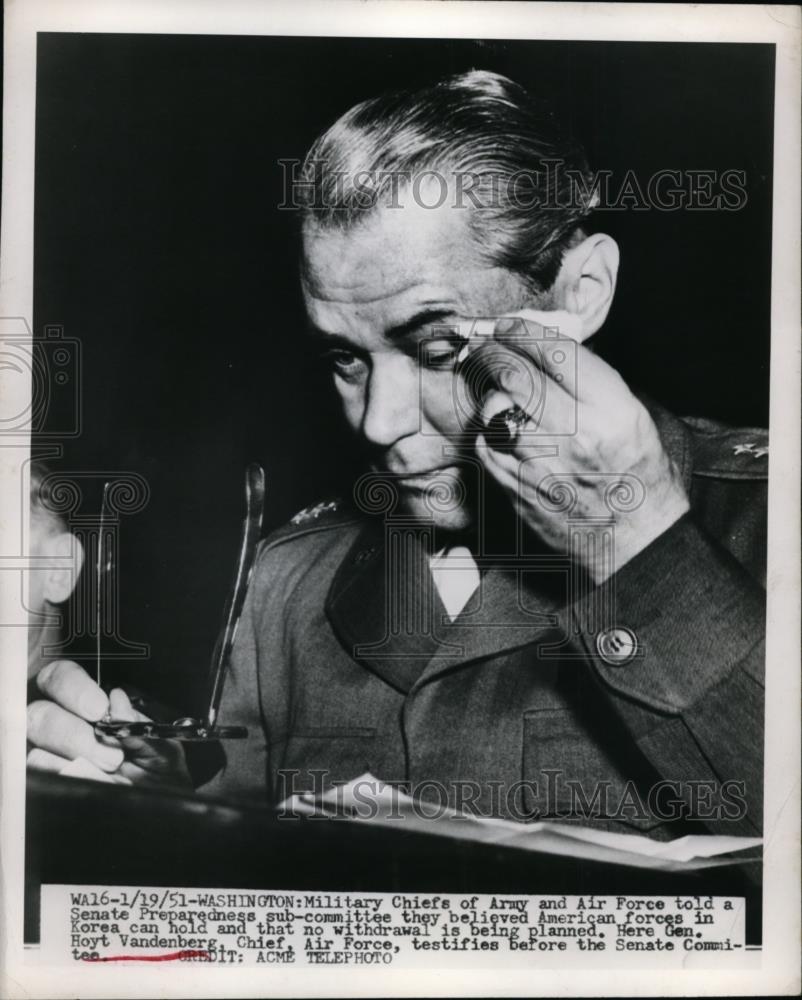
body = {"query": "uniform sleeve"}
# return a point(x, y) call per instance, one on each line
point(692, 694)
point(243, 775)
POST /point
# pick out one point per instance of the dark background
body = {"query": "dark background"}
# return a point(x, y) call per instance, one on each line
point(158, 245)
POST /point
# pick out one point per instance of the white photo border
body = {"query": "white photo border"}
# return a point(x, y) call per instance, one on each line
point(775, 968)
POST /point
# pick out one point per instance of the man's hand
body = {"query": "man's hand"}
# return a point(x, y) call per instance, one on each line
point(588, 432)
point(60, 730)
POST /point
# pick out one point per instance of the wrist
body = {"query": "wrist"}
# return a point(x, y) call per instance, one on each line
point(628, 538)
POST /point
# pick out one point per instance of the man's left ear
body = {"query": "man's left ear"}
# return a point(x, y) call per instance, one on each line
point(585, 285)
point(62, 575)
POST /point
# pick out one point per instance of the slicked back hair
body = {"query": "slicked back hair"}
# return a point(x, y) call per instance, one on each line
point(501, 153)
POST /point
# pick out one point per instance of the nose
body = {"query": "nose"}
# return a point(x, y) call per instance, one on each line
point(392, 403)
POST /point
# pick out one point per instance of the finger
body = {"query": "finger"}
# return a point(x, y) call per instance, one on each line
point(65, 683)
point(477, 336)
point(540, 391)
point(503, 467)
point(43, 760)
point(550, 414)
point(160, 760)
point(85, 769)
point(560, 322)
point(574, 367)
point(155, 757)
point(487, 364)
point(169, 766)
point(53, 728)
point(122, 710)
point(477, 328)
point(552, 353)
point(550, 409)
point(493, 367)
point(495, 402)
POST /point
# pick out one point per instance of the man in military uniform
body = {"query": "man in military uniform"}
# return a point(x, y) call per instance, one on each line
point(544, 598)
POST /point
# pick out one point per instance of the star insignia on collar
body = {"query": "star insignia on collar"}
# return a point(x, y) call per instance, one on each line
point(313, 513)
point(750, 448)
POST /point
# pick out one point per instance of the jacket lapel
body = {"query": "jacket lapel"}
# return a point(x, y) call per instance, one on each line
point(383, 605)
point(517, 603)
point(387, 613)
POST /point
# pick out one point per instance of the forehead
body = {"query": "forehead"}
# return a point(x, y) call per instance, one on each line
point(394, 260)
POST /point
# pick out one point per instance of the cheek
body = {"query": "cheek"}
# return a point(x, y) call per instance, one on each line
point(443, 405)
point(352, 400)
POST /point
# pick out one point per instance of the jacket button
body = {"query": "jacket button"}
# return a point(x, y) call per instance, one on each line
point(617, 646)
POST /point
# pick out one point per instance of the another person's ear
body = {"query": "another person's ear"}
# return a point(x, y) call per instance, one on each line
point(62, 576)
point(585, 285)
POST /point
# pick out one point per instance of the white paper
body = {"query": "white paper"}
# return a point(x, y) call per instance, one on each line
point(393, 807)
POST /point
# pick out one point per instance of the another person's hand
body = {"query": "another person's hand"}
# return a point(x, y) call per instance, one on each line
point(60, 730)
point(591, 449)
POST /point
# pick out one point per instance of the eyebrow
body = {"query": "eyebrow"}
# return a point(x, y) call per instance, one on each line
point(398, 332)
point(423, 318)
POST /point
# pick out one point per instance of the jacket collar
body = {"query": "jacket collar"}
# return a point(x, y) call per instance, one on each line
point(676, 437)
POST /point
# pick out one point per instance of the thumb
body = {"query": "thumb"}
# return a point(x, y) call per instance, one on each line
point(121, 709)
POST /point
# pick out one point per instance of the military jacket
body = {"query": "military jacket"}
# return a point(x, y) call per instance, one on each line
point(636, 705)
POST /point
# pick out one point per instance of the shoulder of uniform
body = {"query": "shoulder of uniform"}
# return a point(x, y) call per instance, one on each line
point(327, 515)
point(721, 451)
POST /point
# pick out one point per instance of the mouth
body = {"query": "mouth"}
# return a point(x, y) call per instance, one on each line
point(424, 479)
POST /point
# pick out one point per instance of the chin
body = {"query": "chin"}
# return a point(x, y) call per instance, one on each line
point(438, 511)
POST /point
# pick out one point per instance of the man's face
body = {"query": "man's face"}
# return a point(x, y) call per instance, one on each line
point(375, 296)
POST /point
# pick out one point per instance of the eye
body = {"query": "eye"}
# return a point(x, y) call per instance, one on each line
point(440, 354)
point(345, 364)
